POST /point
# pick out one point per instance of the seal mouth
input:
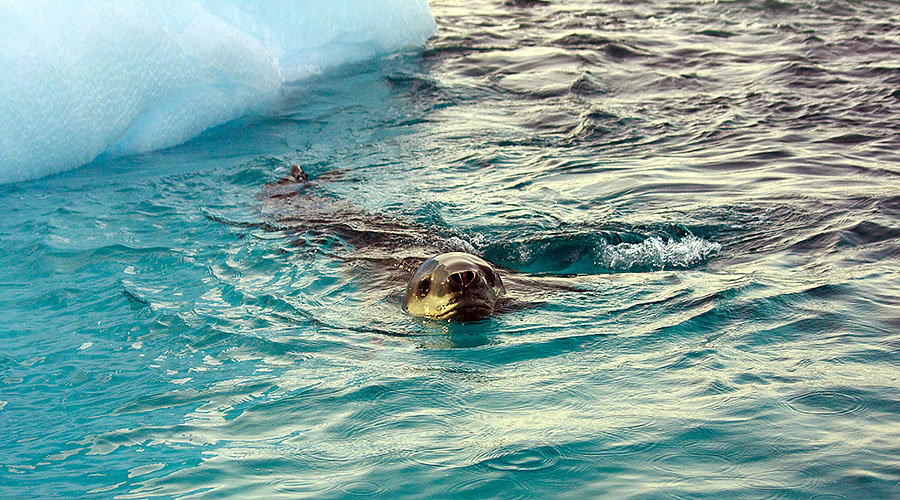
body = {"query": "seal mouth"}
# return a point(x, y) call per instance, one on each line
point(467, 311)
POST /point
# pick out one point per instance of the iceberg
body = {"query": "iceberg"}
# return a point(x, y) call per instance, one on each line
point(118, 77)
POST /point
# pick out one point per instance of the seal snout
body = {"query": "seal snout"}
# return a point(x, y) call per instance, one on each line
point(463, 279)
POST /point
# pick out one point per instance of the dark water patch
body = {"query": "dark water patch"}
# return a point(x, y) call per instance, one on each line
point(752, 161)
point(582, 40)
point(621, 51)
point(866, 232)
point(417, 84)
point(138, 301)
point(851, 139)
point(527, 3)
point(863, 233)
point(717, 33)
point(859, 482)
point(266, 226)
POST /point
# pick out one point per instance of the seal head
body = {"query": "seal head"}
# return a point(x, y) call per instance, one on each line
point(454, 286)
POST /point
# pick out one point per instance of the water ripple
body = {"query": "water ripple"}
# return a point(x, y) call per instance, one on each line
point(362, 489)
point(504, 487)
point(529, 459)
point(827, 402)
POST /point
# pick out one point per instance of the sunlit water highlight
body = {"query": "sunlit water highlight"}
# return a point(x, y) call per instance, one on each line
point(718, 182)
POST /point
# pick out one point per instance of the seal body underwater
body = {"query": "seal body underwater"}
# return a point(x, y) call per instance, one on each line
point(436, 268)
point(454, 286)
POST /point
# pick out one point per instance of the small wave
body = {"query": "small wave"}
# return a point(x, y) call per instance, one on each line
point(656, 253)
point(602, 252)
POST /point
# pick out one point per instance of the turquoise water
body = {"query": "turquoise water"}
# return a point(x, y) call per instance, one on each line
point(715, 184)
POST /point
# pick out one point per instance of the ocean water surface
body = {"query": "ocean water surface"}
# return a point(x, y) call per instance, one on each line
point(716, 185)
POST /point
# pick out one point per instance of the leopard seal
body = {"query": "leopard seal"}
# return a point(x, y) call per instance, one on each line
point(429, 270)
point(454, 286)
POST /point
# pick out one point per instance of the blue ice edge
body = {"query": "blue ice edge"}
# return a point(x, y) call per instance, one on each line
point(94, 77)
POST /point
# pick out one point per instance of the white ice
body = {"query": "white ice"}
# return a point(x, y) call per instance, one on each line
point(81, 79)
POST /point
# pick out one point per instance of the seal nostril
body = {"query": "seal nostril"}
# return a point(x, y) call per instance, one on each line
point(462, 278)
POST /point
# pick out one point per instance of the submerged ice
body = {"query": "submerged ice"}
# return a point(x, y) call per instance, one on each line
point(82, 79)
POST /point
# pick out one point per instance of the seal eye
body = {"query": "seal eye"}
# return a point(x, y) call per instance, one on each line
point(490, 276)
point(423, 287)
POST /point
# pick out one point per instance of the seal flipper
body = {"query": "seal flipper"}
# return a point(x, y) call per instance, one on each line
point(297, 176)
point(288, 186)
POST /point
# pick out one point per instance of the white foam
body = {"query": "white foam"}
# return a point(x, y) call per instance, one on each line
point(656, 253)
point(81, 79)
